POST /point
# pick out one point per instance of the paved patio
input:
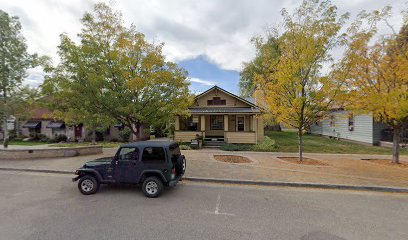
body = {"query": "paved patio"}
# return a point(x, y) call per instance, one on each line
point(341, 169)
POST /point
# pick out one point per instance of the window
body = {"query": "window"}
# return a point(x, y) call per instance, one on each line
point(217, 122)
point(128, 153)
point(351, 122)
point(153, 154)
point(34, 130)
point(192, 125)
point(216, 101)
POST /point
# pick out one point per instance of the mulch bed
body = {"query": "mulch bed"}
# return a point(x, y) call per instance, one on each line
point(386, 162)
point(305, 161)
point(231, 159)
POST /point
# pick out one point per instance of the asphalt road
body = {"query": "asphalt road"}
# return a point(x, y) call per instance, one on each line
point(49, 206)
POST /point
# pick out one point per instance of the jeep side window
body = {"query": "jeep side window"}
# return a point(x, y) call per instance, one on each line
point(128, 153)
point(175, 152)
point(153, 154)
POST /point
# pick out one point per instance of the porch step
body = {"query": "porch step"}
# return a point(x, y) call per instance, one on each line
point(214, 139)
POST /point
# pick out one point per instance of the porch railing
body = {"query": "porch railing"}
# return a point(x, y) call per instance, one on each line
point(240, 137)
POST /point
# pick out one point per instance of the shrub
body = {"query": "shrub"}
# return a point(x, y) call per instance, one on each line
point(185, 147)
point(125, 134)
point(60, 138)
point(267, 145)
point(236, 147)
point(12, 135)
point(38, 137)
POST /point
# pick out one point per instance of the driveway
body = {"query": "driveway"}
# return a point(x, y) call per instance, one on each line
point(49, 206)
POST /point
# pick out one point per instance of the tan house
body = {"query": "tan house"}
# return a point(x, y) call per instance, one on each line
point(220, 116)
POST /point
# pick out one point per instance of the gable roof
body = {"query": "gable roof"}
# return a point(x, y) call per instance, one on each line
point(228, 93)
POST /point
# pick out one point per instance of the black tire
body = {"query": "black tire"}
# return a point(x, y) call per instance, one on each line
point(152, 187)
point(88, 185)
point(181, 164)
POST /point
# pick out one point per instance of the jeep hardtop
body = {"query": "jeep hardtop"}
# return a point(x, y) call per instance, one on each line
point(153, 164)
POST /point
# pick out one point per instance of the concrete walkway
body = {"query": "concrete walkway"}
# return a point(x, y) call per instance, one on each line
point(341, 168)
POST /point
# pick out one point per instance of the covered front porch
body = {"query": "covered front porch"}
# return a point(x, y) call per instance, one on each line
point(224, 128)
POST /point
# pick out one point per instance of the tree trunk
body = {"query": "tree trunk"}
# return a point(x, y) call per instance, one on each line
point(93, 135)
point(136, 131)
point(5, 132)
point(395, 144)
point(300, 144)
point(17, 128)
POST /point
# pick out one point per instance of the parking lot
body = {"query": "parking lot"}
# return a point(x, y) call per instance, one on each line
point(49, 206)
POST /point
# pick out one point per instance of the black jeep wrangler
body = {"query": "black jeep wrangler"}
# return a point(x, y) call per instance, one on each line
point(154, 164)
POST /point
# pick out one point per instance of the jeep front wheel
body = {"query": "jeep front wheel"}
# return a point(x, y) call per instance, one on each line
point(152, 187)
point(88, 185)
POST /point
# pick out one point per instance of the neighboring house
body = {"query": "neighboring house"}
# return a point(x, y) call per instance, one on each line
point(41, 123)
point(220, 116)
point(355, 127)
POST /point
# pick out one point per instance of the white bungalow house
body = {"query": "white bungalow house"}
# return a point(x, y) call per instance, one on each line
point(342, 124)
point(220, 116)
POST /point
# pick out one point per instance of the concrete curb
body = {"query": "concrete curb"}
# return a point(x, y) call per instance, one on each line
point(250, 182)
point(35, 170)
point(300, 185)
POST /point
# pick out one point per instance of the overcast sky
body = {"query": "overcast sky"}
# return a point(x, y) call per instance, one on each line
point(210, 38)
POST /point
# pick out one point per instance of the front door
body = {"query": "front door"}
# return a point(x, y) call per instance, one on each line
point(127, 165)
point(78, 131)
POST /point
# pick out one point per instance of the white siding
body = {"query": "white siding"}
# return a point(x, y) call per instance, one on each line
point(363, 127)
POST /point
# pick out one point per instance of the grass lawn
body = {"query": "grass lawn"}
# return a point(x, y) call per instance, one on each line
point(288, 142)
point(29, 143)
point(103, 144)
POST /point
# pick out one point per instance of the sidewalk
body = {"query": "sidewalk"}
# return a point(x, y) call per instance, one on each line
point(342, 169)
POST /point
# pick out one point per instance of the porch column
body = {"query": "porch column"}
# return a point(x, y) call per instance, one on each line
point(226, 123)
point(202, 127)
point(255, 127)
point(177, 124)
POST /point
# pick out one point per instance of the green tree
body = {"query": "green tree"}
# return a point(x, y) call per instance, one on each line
point(267, 52)
point(295, 89)
point(19, 103)
point(114, 72)
point(376, 72)
point(14, 62)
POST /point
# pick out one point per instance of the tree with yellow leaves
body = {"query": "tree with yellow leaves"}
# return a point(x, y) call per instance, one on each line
point(295, 90)
point(376, 72)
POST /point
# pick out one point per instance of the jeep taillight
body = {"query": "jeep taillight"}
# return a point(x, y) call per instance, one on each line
point(173, 173)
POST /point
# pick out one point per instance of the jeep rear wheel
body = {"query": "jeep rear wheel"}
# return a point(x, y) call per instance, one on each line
point(152, 187)
point(88, 185)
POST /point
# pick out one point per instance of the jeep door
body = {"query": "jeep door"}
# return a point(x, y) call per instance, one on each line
point(127, 167)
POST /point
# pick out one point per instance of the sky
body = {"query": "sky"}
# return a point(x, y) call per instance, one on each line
point(209, 38)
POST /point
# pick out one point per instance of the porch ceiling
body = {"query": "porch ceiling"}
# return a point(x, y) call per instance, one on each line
point(231, 110)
